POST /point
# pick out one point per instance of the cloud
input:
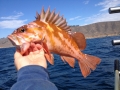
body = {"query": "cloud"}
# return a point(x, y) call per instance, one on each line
point(107, 4)
point(75, 18)
point(86, 2)
point(101, 17)
point(12, 21)
point(19, 14)
point(103, 14)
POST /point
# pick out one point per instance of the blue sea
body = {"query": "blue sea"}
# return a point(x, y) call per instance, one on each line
point(65, 77)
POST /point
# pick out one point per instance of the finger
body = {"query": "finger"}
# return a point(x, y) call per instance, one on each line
point(33, 47)
point(40, 52)
point(38, 46)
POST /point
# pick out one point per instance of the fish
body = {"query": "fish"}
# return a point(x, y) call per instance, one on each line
point(51, 30)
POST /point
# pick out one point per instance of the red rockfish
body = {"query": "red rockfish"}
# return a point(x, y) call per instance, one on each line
point(52, 32)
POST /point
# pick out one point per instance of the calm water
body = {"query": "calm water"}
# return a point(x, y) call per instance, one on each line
point(65, 77)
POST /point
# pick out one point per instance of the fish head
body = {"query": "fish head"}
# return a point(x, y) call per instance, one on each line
point(31, 32)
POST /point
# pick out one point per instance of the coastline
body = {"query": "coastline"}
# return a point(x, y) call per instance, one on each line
point(91, 31)
point(85, 37)
point(7, 47)
point(102, 36)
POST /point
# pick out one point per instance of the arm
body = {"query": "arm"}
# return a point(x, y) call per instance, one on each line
point(32, 72)
point(33, 77)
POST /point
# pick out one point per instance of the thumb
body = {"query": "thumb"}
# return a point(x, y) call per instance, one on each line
point(17, 55)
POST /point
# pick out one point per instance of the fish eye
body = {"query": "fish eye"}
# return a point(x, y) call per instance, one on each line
point(22, 30)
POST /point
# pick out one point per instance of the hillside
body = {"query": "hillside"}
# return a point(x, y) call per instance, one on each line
point(4, 42)
point(100, 29)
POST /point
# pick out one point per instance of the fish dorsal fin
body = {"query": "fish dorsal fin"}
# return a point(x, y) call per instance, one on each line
point(37, 16)
point(79, 39)
point(69, 60)
point(42, 15)
point(51, 17)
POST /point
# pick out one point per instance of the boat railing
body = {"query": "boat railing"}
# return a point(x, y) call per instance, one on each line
point(112, 10)
point(116, 62)
point(116, 68)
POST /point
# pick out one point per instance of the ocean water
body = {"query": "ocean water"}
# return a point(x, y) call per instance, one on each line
point(65, 77)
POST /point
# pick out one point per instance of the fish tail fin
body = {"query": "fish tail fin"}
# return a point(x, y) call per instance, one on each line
point(88, 63)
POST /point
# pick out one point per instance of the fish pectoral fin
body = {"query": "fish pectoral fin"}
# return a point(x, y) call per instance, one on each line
point(69, 60)
point(48, 55)
point(23, 48)
point(50, 58)
point(79, 39)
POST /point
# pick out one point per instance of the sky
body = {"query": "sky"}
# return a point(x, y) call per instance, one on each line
point(15, 13)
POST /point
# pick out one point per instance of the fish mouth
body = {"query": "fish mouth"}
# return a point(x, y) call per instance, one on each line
point(16, 40)
point(10, 37)
point(19, 42)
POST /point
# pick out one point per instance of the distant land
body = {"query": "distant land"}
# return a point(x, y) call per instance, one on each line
point(95, 30)
point(101, 29)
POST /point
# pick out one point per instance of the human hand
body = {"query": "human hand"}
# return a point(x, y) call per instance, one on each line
point(33, 56)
